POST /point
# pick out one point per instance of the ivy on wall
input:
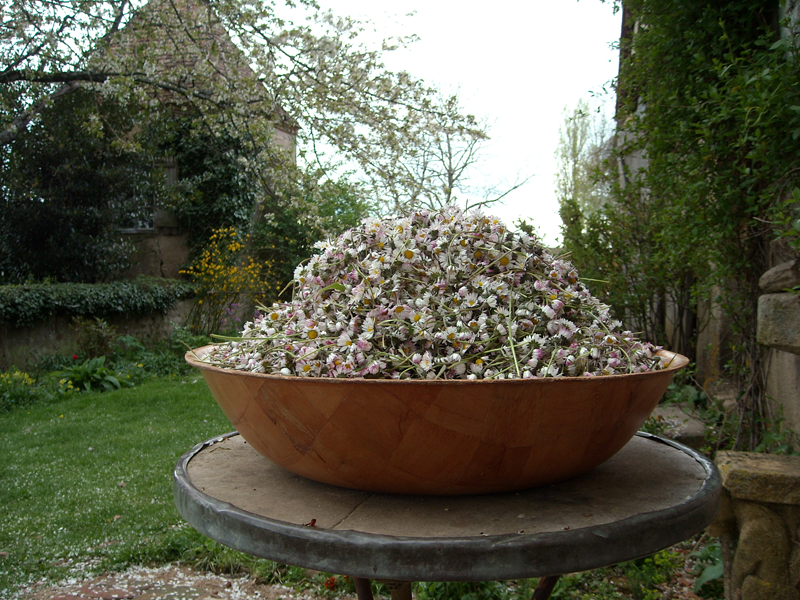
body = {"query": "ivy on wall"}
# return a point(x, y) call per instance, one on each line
point(709, 114)
point(23, 305)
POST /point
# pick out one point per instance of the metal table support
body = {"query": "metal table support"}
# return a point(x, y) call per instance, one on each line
point(652, 494)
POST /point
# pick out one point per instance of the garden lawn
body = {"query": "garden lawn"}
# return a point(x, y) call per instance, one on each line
point(86, 482)
point(86, 487)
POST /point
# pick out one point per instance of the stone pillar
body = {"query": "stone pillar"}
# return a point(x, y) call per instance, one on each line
point(779, 330)
point(759, 525)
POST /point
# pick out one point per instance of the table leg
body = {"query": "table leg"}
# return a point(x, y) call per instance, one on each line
point(544, 589)
point(363, 588)
point(400, 590)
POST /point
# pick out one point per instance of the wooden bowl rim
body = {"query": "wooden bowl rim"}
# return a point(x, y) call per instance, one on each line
point(675, 361)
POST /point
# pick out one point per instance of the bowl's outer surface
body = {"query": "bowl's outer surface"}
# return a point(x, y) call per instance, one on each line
point(437, 437)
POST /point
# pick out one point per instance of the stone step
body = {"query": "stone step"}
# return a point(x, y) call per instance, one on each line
point(680, 425)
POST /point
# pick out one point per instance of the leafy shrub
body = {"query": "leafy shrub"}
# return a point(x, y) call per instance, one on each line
point(709, 582)
point(95, 336)
point(68, 180)
point(645, 574)
point(91, 374)
point(16, 389)
point(136, 362)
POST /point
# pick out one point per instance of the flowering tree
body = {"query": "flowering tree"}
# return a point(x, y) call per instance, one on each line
point(236, 68)
point(584, 144)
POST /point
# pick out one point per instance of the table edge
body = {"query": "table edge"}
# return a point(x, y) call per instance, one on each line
point(473, 558)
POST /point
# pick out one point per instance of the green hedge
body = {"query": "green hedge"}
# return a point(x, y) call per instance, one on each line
point(22, 305)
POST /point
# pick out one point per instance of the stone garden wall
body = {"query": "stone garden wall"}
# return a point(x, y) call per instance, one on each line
point(23, 347)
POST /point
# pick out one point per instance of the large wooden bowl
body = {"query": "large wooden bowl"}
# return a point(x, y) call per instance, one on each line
point(437, 437)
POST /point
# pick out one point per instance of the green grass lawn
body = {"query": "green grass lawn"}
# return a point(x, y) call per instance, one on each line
point(86, 482)
point(86, 487)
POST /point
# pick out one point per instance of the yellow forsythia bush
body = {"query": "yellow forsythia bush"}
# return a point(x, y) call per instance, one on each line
point(228, 283)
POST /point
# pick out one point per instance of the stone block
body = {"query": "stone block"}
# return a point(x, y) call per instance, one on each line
point(779, 321)
point(680, 425)
point(783, 386)
point(760, 477)
point(778, 279)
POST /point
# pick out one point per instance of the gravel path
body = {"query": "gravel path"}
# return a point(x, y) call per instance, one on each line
point(182, 583)
point(166, 583)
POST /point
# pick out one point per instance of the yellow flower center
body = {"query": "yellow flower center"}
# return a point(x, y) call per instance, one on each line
point(408, 254)
point(504, 261)
point(312, 334)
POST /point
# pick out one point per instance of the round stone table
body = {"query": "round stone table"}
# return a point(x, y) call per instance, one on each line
point(652, 494)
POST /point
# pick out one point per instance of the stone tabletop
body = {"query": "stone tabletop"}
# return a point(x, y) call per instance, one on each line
point(652, 494)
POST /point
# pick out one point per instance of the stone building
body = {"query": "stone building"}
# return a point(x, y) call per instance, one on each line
point(186, 42)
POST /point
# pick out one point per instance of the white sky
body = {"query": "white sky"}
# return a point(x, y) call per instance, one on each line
point(517, 63)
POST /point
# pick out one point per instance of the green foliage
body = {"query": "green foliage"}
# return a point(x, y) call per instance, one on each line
point(709, 571)
point(583, 147)
point(486, 590)
point(136, 362)
point(128, 362)
point(91, 374)
point(589, 585)
point(216, 189)
point(287, 237)
point(646, 574)
point(702, 179)
point(778, 439)
point(23, 305)
point(67, 182)
point(656, 425)
point(685, 393)
point(17, 389)
point(95, 336)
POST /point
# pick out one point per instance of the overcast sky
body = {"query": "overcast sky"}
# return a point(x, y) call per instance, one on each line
point(517, 63)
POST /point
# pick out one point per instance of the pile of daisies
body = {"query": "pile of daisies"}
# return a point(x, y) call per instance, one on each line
point(436, 295)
